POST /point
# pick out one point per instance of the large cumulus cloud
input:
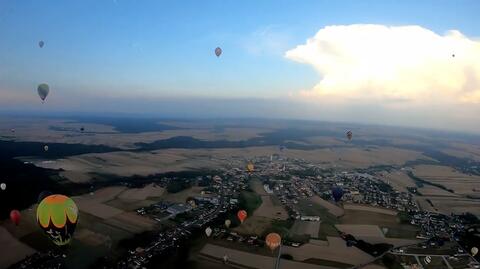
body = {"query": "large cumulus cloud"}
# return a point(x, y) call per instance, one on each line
point(392, 64)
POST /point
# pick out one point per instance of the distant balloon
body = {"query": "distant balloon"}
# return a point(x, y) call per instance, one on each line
point(273, 241)
point(250, 167)
point(15, 216)
point(337, 193)
point(242, 215)
point(474, 251)
point(41, 43)
point(12, 130)
point(42, 196)
point(208, 231)
point(82, 129)
point(3, 186)
point(228, 223)
point(43, 90)
point(282, 148)
point(349, 135)
point(453, 55)
point(427, 260)
point(218, 51)
point(57, 215)
point(45, 148)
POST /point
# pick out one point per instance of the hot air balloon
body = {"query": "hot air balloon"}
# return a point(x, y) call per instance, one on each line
point(12, 130)
point(427, 260)
point(282, 148)
point(57, 215)
point(337, 193)
point(474, 251)
point(218, 51)
point(250, 167)
point(3, 186)
point(41, 43)
point(242, 215)
point(45, 148)
point(82, 129)
point(349, 135)
point(228, 223)
point(42, 196)
point(208, 231)
point(273, 241)
point(43, 90)
point(15, 216)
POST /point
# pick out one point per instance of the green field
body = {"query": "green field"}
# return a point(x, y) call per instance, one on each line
point(249, 201)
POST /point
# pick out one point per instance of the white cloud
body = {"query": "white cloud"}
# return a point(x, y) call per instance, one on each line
point(397, 65)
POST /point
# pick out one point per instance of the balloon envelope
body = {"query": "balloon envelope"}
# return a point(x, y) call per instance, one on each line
point(337, 193)
point(57, 215)
point(228, 223)
point(43, 90)
point(45, 148)
point(15, 216)
point(218, 51)
point(242, 215)
point(41, 43)
point(273, 240)
point(250, 167)
point(349, 135)
point(42, 196)
point(3, 186)
point(474, 251)
point(208, 231)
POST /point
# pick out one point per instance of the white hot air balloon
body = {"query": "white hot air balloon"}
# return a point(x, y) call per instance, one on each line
point(474, 251)
point(45, 148)
point(3, 186)
point(208, 231)
point(228, 223)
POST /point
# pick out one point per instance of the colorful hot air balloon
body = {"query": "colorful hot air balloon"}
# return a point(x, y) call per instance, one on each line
point(41, 43)
point(337, 193)
point(15, 216)
point(242, 215)
point(208, 231)
point(273, 241)
point(474, 251)
point(43, 90)
point(349, 135)
point(3, 186)
point(218, 51)
point(228, 223)
point(57, 215)
point(45, 148)
point(250, 167)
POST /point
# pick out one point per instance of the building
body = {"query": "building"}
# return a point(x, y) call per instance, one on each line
point(178, 209)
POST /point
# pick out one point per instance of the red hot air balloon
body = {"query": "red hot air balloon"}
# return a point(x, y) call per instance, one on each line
point(242, 215)
point(15, 216)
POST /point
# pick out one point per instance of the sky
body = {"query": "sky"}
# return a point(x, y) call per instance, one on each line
point(409, 63)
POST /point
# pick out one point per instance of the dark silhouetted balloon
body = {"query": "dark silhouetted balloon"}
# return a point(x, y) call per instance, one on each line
point(15, 216)
point(218, 51)
point(42, 195)
point(337, 193)
point(349, 135)
point(41, 43)
point(43, 90)
point(82, 129)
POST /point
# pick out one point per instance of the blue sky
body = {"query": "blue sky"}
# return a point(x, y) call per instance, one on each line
point(165, 49)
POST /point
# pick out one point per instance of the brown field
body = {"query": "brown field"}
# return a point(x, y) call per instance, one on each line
point(373, 234)
point(268, 209)
point(250, 260)
point(181, 196)
point(448, 205)
point(374, 209)
point(12, 249)
point(254, 225)
point(399, 180)
point(460, 183)
point(332, 208)
point(310, 228)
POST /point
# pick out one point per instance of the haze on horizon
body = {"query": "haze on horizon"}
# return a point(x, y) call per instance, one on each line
point(383, 62)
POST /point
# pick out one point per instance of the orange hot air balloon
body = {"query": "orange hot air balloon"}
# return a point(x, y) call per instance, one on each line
point(273, 241)
point(242, 215)
point(15, 216)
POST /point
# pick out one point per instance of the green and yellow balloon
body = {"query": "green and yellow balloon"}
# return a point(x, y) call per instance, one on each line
point(57, 215)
